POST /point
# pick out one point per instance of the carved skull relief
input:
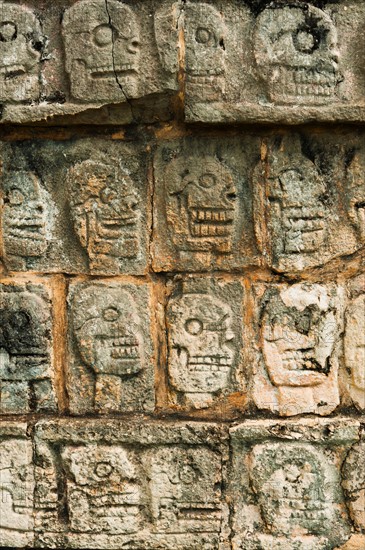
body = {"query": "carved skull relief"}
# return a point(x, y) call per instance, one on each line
point(201, 207)
point(299, 329)
point(296, 53)
point(103, 493)
point(102, 46)
point(355, 348)
point(104, 211)
point(16, 487)
point(199, 343)
point(296, 490)
point(186, 490)
point(354, 484)
point(25, 215)
point(205, 32)
point(21, 45)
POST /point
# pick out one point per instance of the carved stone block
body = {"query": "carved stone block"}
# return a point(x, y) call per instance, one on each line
point(354, 341)
point(299, 329)
point(26, 375)
point(274, 62)
point(17, 486)
point(204, 341)
point(203, 205)
point(111, 365)
point(97, 222)
point(142, 484)
point(285, 484)
point(353, 475)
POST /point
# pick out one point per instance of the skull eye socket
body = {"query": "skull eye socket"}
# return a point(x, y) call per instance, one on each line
point(187, 474)
point(19, 320)
point(103, 469)
point(110, 314)
point(305, 41)
point(203, 35)
point(107, 195)
point(15, 197)
point(103, 35)
point(194, 327)
point(8, 31)
point(207, 181)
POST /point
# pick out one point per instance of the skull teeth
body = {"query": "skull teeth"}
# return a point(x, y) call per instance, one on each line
point(209, 363)
point(209, 222)
point(298, 360)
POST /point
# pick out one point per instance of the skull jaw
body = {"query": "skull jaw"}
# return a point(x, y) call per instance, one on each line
point(205, 88)
point(301, 85)
point(24, 87)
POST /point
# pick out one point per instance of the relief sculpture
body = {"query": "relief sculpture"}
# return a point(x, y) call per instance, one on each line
point(102, 47)
point(296, 54)
point(353, 475)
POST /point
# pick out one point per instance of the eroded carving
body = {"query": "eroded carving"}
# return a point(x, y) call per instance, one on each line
point(104, 207)
point(109, 337)
point(21, 46)
point(25, 336)
point(298, 493)
point(186, 490)
point(353, 474)
point(300, 326)
point(16, 492)
point(103, 492)
point(296, 54)
point(201, 206)
point(355, 193)
point(102, 47)
point(200, 346)
point(205, 33)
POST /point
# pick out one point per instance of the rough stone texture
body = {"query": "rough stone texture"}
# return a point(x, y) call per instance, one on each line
point(96, 222)
point(26, 372)
point(111, 361)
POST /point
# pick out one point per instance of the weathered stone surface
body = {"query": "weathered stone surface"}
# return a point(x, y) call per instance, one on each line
point(96, 222)
point(286, 485)
point(16, 486)
point(275, 62)
point(353, 473)
point(111, 360)
point(299, 338)
point(354, 341)
point(26, 357)
point(203, 204)
point(72, 57)
point(143, 485)
point(204, 341)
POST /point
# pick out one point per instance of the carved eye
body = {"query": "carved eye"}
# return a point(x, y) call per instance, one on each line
point(19, 319)
point(15, 197)
point(108, 195)
point(207, 181)
point(110, 314)
point(194, 327)
point(305, 42)
point(103, 469)
point(187, 474)
point(8, 31)
point(203, 35)
point(103, 35)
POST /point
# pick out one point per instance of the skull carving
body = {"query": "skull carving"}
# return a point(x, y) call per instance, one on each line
point(354, 484)
point(296, 53)
point(205, 32)
point(21, 45)
point(25, 215)
point(102, 46)
point(355, 194)
point(199, 343)
point(355, 348)
point(295, 495)
point(103, 493)
point(201, 209)
point(103, 205)
point(299, 331)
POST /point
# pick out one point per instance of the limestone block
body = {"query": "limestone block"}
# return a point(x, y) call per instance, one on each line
point(26, 355)
point(300, 218)
point(354, 341)
point(274, 62)
point(285, 484)
point(299, 330)
point(16, 486)
point(203, 204)
point(144, 484)
point(353, 475)
point(72, 58)
point(77, 206)
point(111, 355)
point(204, 341)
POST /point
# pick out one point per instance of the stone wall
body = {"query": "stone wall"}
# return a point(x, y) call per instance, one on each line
point(182, 274)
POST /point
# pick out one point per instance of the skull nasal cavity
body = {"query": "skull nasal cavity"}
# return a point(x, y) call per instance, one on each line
point(8, 31)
